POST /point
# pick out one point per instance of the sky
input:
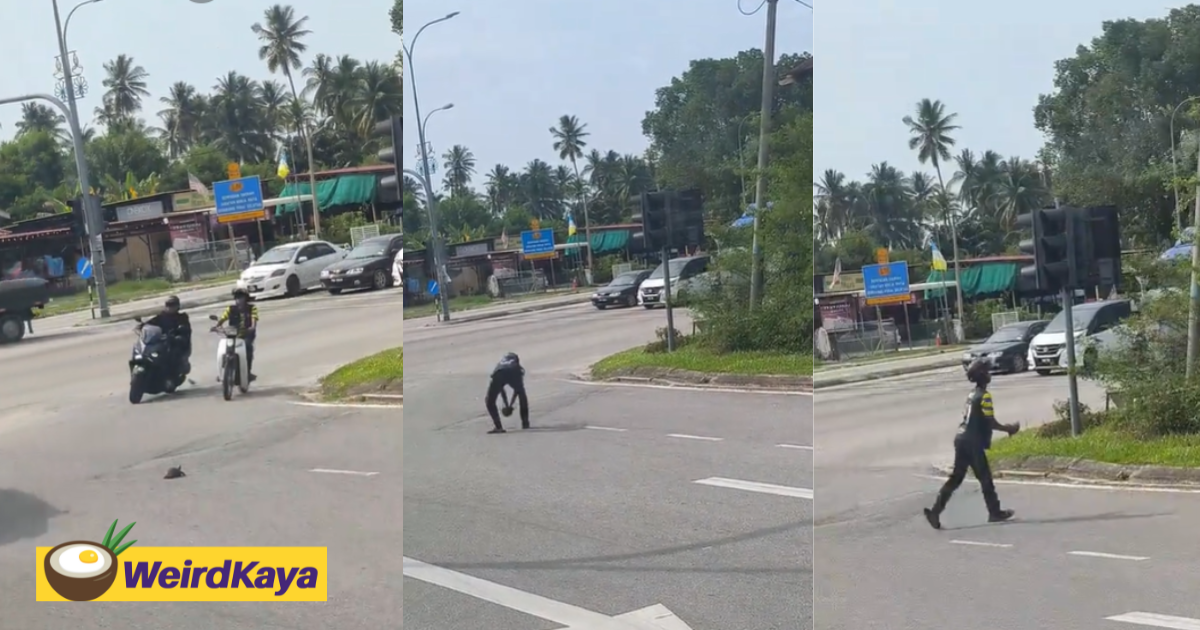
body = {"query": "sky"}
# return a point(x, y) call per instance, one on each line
point(512, 68)
point(174, 40)
point(987, 61)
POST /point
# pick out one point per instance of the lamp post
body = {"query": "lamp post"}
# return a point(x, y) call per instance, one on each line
point(91, 208)
point(1174, 166)
point(430, 201)
point(764, 129)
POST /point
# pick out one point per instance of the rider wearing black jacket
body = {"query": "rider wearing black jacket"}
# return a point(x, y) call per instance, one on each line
point(177, 327)
point(508, 372)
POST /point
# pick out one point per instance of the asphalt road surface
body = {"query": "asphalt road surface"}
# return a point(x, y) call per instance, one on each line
point(74, 455)
point(618, 500)
point(1074, 559)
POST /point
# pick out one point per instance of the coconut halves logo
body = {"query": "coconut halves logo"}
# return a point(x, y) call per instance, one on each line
point(82, 570)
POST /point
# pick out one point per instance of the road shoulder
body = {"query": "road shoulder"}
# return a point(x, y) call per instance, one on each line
point(694, 366)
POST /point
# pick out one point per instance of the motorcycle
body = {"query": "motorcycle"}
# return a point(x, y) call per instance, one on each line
point(151, 369)
point(231, 361)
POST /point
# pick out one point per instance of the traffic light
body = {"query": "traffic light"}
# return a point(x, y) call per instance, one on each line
point(1104, 231)
point(428, 263)
point(688, 221)
point(78, 218)
point(391, 131)
point(1061, 248)
point(652, 215)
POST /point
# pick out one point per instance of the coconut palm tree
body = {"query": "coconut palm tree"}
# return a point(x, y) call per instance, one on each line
point(126, 83)
point(38, 117)
point(281, 34)
point(459, 164)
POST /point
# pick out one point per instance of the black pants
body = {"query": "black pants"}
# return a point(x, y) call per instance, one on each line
point(969, 454)
point(249, 340)
point(496, 387)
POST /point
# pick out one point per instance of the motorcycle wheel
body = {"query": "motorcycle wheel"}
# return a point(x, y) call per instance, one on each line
point(137, 389)
point(229, 373)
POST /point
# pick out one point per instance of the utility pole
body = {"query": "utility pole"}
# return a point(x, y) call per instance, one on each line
point(91, 204)
point(764, 130)
point(1193, 340)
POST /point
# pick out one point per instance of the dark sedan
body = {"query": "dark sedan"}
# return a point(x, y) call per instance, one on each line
point(1008, 348)
point(367, 266)
point(622, 291)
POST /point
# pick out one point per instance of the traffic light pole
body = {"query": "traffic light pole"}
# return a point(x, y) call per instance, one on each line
point(1068, 300)
point(666, 261)
point(1193, 340)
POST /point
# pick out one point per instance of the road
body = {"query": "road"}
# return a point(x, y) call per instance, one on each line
point(74, 455)
point(621, 498)
point(1072, 559)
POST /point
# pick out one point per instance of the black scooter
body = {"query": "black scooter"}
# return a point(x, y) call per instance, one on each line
point(153, 367)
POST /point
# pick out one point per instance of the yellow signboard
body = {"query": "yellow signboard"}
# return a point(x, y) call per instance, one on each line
point(881, 256)
point(234, 170)
point(542, 256)
point(535, 225)
point(890, 300)
point(254, 215)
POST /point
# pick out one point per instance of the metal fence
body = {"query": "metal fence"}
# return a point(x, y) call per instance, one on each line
point(877, 338)
point(508, 283)
point(215, 259)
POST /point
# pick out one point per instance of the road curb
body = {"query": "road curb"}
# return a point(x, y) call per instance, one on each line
point(530, 308)
point(687, 378)
point(1081, 471)
point(821, 383)
point(147, 312)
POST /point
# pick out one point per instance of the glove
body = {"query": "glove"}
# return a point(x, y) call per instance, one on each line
point(506, 412)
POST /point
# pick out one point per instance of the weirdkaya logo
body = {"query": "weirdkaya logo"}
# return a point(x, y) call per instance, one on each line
point(84, 571)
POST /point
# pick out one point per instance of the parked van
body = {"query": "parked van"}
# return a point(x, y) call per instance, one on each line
point(1048, 350)
point(651, 291)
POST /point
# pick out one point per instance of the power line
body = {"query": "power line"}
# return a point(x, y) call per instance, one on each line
point(756, 10)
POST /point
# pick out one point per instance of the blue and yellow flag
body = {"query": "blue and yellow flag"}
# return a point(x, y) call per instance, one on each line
point(570, 226)
point(939, 261)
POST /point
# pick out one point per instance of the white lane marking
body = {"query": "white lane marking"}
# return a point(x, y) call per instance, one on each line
point(1157, 621)
point(795, 446)
point(754, 486)
point(1078, 486)
point(684, 388)
point(1110, 556)
point(511, 598)
point(975, 543)
point(346, 405)
point(330, 471)
point(684, 436)
point(615, 430)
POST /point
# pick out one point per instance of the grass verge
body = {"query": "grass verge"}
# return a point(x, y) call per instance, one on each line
point(700, 359)
point(892, 356)
point(1105, 444)
point(129, 291)
point(381, 373)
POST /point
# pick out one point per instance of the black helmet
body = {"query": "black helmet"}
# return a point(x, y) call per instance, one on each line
point(979, 372)
point(173, 301)
point(512, 357)
point(240, 292)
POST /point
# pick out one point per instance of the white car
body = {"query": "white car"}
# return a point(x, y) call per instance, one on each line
point(289, 269)
point(398, 268)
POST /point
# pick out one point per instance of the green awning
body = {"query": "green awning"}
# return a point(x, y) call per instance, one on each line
point(984, 279)
point(604, 242)
point(343, 190)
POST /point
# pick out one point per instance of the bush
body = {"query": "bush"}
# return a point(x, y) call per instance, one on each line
point(978, 316)
point(659, 345)
point(1061, 425)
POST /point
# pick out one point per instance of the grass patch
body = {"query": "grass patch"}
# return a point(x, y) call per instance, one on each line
point(700, 359)
point(381, 373)
point(1105, 444)
point(892, 356)
point(129, 291)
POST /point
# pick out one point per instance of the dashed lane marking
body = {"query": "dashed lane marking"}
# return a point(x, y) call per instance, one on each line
point(976, 543)
point(356, 473)
point(1109, 556)
point(754, 486)
point(613, 429)
point(702, 438)
point(799, 447)
point(1154, 620)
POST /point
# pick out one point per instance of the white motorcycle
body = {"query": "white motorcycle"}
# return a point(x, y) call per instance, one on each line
point(231, 361)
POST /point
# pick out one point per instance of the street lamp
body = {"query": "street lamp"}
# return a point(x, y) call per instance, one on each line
point(91, 208)
point(431, 203)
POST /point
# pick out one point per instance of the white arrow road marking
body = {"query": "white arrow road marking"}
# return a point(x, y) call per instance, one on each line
point(1157, 621)
point(656, 617)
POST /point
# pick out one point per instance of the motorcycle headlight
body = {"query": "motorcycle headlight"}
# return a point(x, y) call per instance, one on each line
point(967, 357)
point(278, 272)
point(154, 355)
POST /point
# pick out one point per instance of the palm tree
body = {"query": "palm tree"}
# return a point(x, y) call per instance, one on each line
point(569, 142)
point(932, 141)
point(38, 117)
point(126, 83)
point(460, 168)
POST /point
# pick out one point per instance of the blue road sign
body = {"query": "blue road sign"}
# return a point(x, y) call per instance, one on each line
point(238, 196)
point(84, 268)
point(537, 243)
point(886, 281)
point(432, 287)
